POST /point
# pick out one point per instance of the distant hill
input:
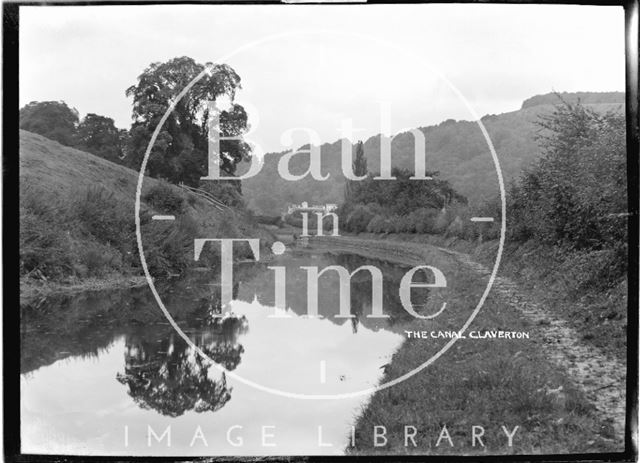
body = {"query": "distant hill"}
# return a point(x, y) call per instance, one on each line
point(456, 149)
point(586, 98)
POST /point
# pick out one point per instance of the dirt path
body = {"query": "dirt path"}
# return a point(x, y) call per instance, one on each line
point(599, 376)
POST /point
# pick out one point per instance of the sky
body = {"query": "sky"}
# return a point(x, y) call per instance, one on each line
point(315, 66)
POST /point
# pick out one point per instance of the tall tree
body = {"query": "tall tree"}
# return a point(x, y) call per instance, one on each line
point(99, 135)
point(360, 162)
point(359, 169)
point(51, 119)
point(180, 151)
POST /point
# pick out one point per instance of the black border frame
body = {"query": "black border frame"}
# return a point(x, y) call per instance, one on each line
point(10, 216)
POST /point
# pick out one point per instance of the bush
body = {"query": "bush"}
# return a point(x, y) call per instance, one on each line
point(83, 233)
point(295, 220)
point(376, 224)
point(359, 218)
point(164, 198)
point(442, 221)
point(168, 246)
point(92, 233)
point(404, 224)
point(550, 205)
point(44, 245)
point(225, 191)
point(102, 215)
point(423, 220)
point(388, 226)
point(491, 208)
point(97, 259)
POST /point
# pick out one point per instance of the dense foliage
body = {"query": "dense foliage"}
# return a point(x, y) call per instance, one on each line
point(575, 196)
point(576, 193)
point(359, 170)
point(52, 119)
point(94, 134)
point(98, 135)
point(180, 150)
point(400, 205)
point(90, 232)
point(162, 197)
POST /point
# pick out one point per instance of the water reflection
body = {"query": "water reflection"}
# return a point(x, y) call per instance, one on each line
point(262, 286)
point(169, 376)
point(132, 368)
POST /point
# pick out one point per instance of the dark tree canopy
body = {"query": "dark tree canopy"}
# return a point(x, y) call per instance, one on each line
point(99, 135)
point(359, 167)
point(360, 161)
point(168, 377)
point(403, 195)
point(181, 148)
point(51, 119)
point(163, 373)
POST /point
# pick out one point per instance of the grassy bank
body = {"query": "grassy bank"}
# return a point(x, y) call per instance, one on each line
point(482, 382)
point(77, 221)
point(576, 286)
point(488, 383)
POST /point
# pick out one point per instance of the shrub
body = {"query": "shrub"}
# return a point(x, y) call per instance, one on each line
point(550, 205)
point(102, 215)
point(45, 245)
point(487, 230)
point(442, 221)
point(168, 246)
point(92, 233)
point(376, 224)
point(388, 226)
point(164, 198)
point(375, 208)
point(295, 220)
point(358, 220)
point(458, 229)
point(424, 220)
point(404, 224)
point(99, 259)
point(224, 191)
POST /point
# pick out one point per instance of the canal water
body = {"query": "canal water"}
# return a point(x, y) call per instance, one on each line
point(104, 373)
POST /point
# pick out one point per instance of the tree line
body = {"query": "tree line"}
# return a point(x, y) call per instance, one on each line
point(180, 151)
point(573, 198)
point(399, 206)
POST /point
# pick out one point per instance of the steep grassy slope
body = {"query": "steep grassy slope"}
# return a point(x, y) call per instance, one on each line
point(456, 149)
point(77, 217)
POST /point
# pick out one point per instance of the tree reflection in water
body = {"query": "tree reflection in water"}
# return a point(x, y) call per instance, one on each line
point(164, 373)
point(168, 375)
point(161, 371)
point(361, 295)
